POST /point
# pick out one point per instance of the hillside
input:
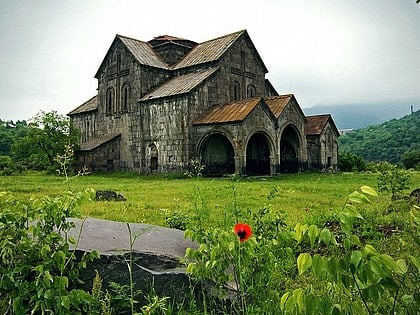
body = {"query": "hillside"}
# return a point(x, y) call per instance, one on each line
point(385, 142)
point(356, 116)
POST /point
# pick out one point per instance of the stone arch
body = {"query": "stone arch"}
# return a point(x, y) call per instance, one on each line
point(258, 152)
point(217, 154)
point(289, 150)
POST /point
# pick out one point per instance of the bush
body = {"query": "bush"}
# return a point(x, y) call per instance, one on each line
point(349, 162)
point(39, 273)
point(411, 159)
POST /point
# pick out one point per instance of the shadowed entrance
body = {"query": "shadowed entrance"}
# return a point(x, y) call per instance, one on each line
point(289, 144)
point(258, 156)
point(218, 156)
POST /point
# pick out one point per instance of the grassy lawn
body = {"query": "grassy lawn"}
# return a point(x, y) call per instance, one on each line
point(150, 199)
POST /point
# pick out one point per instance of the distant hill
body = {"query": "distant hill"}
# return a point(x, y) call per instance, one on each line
point(356, 116)
point(385, 142)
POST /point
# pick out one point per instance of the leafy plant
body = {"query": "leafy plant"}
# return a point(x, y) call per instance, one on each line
point(358, 279)
point(393, 179)
point(39, 272)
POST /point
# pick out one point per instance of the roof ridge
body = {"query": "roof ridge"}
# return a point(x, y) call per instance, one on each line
point(222, 36)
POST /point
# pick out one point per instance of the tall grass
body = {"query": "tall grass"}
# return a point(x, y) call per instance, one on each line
point(150, 199)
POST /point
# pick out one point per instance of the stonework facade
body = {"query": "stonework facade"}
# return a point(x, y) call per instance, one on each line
point(163, 102)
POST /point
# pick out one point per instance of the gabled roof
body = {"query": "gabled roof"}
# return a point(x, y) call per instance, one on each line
point(180, 84)
point(141, 51)
point(96, 142)
point(277, 104)
point(87, 106)
point(230, 112)
point(213, 50)
point(316, 124)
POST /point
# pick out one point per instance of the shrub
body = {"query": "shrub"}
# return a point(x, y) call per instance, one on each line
point(411, 159)
point(349, 162)
point(39, 273)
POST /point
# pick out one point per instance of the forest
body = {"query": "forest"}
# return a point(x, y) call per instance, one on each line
point(392, 141)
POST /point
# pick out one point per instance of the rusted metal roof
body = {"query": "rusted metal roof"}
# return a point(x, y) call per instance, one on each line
point(143, 52)
point(180, 85)
point(209, 51)
point(316, 124)
point(278, 103)
point(96, 142)
point(229, 112)
point(87, 106)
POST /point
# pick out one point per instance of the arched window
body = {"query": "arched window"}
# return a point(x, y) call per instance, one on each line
point(109, 100)
point(236, 91)
point(250, 91)
point(125, 97)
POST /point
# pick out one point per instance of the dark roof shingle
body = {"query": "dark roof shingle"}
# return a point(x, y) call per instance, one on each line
point(316, 124)
point(87, 106)
point(228, 112)
point(96, 142)
point(180, 85)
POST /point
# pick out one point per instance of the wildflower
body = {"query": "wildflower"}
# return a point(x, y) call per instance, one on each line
point(243, 231)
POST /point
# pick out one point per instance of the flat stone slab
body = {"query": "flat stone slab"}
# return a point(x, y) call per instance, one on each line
point(155, 256)
point(113, 238)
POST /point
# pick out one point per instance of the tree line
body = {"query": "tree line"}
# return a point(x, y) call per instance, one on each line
point(396, 141)
point(37, 144)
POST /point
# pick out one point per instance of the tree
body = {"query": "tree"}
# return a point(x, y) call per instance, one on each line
point(349, 162)
point(48, 136)
point(411, 159)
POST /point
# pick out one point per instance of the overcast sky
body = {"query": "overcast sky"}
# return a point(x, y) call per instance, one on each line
point(326, 52)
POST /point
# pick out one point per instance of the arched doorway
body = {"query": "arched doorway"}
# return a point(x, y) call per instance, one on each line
point(289, 146)
point(153, 158)
point(217, 155)
point(258, 155)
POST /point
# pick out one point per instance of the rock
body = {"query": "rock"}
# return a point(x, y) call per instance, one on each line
point(415, 194)
point(156, 253)
point(109, 195)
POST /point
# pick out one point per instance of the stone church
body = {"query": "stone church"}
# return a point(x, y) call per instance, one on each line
point(161, 103)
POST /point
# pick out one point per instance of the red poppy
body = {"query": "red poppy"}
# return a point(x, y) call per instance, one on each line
point(243, 231)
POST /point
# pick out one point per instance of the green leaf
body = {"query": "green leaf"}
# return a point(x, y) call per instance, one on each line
point(298, 297)
point(370, 250)
point(357, 197)
point(283, 300)
point(318, 265)
point(376, 266)
point(401, 267)
point(369, 190)
point(356, 257)
point(304, 261)
point(300, 230)
point(416, 262)
point(65, 302)
point(325, 236)
point(313, 233)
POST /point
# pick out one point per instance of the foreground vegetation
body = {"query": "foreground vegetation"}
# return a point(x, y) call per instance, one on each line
point(308, 243)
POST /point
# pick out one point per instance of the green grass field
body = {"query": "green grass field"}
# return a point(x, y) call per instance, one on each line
point(150, 199)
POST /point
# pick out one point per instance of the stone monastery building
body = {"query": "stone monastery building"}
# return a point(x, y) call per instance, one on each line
point(161, 103)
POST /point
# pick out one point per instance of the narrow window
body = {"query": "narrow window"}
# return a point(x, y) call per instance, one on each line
point(125, 97)
point(250, 91)
point(235, 91)
point(109, 100)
